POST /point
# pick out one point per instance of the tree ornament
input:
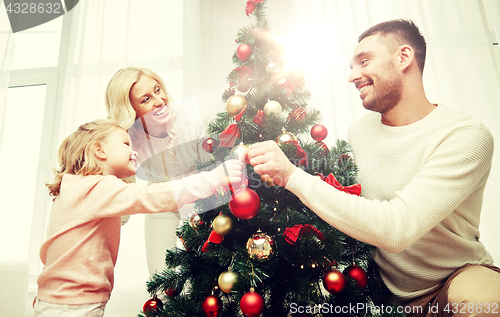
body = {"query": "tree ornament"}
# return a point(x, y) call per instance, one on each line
point(195, 221)
point(334, 281)
point(259, 117)
point(345, 159)
point(153, 305)
point(272, 68)
point(286, 84)
point(285, 137)
point(245, 203)
point(235, 105)
point(298, 114)
point(319, 132)
point(244, 51)
point(358, 274)
point(238, 152)
point(297, 77)
point(209, 145)
point(212, 306)
point(244, 84)
point(227, 280)
point(172, 292)
point(260, 247)
point(272, 107)
point(324, 148)
point(252, 304)
point(268, 181)
point(222, 224)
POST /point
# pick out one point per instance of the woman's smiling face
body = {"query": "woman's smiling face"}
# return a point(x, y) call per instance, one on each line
point(150, 102)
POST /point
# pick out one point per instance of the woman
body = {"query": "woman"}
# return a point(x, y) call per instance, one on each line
point(168, 140)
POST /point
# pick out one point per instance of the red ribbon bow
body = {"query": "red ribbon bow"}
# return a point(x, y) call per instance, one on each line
point(231, 133)
point(251, 4)
point(243, 71)
point(214, 238)
point(301, 154)
point(292, 234)
point(353, 189)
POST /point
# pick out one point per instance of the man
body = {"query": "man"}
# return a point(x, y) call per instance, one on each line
point(422, 191)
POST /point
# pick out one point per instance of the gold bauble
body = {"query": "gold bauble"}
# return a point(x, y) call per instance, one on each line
point(268, 181)
point(285, 137)
point(238, 152)
point(260, 247)
point(235, 104)
point(222, 224)
point(272, 107)
point(227, 280)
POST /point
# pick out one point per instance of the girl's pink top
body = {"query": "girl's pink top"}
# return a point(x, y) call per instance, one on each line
point(83, 234)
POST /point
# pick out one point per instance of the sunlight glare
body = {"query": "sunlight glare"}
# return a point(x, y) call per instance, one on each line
point(309, 48)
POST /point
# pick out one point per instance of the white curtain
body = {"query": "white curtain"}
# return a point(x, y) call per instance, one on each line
point(6, 50)
point(99, 38)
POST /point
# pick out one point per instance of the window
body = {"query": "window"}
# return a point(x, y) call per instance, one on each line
point(19, 157)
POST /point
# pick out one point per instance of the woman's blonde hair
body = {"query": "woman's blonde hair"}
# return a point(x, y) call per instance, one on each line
point(76, 153)
point(117, 96)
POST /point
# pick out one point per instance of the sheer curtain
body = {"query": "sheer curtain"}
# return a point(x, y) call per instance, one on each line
point(462, 68)
point(99, 38)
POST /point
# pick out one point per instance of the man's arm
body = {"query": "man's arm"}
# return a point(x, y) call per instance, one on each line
point(394, 225)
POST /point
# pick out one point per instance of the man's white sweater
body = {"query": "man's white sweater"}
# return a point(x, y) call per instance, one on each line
point(422, 192)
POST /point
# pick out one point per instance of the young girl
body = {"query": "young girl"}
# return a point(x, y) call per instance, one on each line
point(83, 234)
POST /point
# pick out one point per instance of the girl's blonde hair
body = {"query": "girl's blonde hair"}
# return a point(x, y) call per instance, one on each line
point(117, 98)
point(76, 153)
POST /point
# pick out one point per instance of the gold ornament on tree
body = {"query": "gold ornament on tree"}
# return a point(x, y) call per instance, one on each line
point(222, 224)
point(272, 107)
point(238, 152)
point(285, 137)
point(260, 247)
point(226, 281)
point(235, 104)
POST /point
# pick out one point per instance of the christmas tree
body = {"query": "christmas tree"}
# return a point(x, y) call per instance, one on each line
point(266, 253)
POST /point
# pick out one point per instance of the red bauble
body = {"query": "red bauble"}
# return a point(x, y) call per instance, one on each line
point(153, 305)
point(319, 132)
point(245, 203)
point(244, 51)
point(212, 306)
point(334, 281)
point(252, 304)
point(357, 274)
point(209, 145)
point(172, 292)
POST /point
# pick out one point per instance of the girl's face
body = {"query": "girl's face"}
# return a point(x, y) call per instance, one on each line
point(117, 156)
point(150, 102)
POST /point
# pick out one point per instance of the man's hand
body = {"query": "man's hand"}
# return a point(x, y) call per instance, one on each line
point(267, 158)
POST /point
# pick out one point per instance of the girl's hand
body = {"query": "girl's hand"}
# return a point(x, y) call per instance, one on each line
point(230, 172)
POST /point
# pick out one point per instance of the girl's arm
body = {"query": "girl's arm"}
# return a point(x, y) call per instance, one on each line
point(111, 197)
